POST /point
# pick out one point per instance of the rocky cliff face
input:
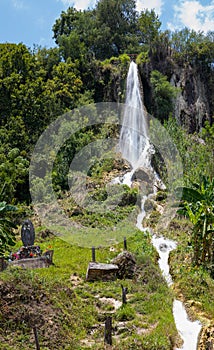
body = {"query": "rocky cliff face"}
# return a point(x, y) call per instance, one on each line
point(193, 104)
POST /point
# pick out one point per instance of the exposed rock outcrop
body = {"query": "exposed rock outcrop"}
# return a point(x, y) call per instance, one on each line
point(191, 105)
point(144, 178)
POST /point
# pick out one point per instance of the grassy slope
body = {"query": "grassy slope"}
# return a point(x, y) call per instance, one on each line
point(70, 312)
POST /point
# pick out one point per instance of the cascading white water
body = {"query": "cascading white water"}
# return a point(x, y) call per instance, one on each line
point(136, 149)
point(187, 329)
point(133, 135)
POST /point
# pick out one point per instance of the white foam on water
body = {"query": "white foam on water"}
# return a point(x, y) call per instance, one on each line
point(188, 330)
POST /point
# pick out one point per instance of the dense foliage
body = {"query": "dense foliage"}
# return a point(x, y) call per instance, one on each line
point(7, 236)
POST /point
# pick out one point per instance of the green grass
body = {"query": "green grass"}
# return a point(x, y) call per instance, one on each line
point(74, 314)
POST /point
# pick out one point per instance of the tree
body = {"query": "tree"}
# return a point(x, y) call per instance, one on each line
point(193, 47)
point(67, 22)
point(108, 30)
point(16, 67)
point(46, 59)
point(75, 31)
point(14, 168)
point(118, 19)
point(66, 84)
point(163, 95)
point(71, 46)
point(149, 25)
point(7, 236)
point(198, 205)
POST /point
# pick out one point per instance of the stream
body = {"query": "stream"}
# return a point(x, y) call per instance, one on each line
point(135, 147)
point(188, 330)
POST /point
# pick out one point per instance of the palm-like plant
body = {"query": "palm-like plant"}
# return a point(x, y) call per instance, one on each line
point(198, 205)
point(7, 236)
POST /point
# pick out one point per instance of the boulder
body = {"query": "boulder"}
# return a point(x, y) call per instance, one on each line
point(143, 174)
point(126, 265)
point(144, 180)
point(101, 272)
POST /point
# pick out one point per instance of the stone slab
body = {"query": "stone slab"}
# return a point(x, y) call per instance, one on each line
point(99, 271)
point(31, 263)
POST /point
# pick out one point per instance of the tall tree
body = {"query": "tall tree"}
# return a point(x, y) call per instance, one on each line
point(75, 31)
point(163, 95)
point(119, 21)
point(149, 25)
point(67, 22)
point(107, 30)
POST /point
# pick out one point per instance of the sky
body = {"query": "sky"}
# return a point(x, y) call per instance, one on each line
point(31, 21)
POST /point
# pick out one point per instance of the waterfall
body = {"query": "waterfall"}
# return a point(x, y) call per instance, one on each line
point(135, 147)
point(133, 135)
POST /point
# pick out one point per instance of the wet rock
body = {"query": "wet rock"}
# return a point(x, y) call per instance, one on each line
point(191, 105)
point(149, 205)
point(142, 174)
point(161, 196)
point(163, 247)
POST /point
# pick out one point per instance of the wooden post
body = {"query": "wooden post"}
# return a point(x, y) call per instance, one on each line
point(124, 291)
point(125, 243)
point(93, 254)
point(36, 338)
point(108, 331)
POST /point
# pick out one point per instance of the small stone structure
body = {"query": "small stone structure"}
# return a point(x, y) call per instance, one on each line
point(99, 271)
point(31, 263)
point(30, 255)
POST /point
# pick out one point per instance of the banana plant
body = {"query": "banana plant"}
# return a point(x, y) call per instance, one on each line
point(198, 204)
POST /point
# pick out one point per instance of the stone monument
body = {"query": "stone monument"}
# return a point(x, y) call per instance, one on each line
point(30, 255)
point(27, 233)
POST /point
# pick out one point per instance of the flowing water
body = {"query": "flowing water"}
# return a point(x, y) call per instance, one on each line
point(136, 149)
point(133, 136)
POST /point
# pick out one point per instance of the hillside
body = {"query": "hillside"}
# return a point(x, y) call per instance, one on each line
point(69, 312)
point(62, 166)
